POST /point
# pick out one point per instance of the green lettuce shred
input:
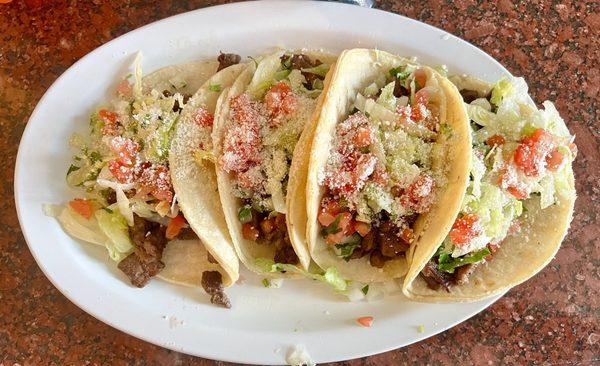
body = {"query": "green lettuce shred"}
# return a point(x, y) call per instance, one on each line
point(331, 276)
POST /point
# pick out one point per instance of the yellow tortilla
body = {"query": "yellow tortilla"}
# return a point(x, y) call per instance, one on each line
point(248, 251)
point(355, 70)
point(195, 186)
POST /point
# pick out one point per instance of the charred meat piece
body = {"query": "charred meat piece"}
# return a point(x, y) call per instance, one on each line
point(390, 243)
point(140, 272)
point(469, 95)
point(228, 59)
point(297, 61)
point(187, 234)
point(212, 283)
point(210, 258)
point(400, 90)
point(149, 242)
point(176, 106)
point(286, 254)
point(462, 273)
point(377, 259)
point(435, 278)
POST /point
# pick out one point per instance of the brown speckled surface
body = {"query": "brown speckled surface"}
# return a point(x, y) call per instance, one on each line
point(552, 319)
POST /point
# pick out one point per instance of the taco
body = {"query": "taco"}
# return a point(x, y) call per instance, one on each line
point(129, 205)
point(259, 127)
point(193, 173)
point(519, 201)
point(388, 165)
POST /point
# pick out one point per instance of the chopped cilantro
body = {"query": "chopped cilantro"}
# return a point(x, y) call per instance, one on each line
point(400, 72)
point(266, 282)
point(333, 227)
point(365, 290)
point(421, 329)
point(215, 87)
point(72, 169)
point(346, 249)
point(108, 210)
point(245, 214)
point(449, 264)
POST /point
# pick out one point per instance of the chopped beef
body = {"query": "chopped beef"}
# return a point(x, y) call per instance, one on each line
point(272, 230)
point(390, 243)
point(299, 62)
point(228, 59)
point(139, 271)
point(462, 273)
point(111, 197)
point(469, 95)
point(400, 90)
point(149, 241)
point(369, 243)
point(212, 283)
point(377, 259)
point(187, 234)
point(434, 277)
point(176, 106)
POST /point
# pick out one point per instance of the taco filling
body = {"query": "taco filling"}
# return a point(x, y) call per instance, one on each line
point(264, 126)
point(518, 152)
point(379, 177)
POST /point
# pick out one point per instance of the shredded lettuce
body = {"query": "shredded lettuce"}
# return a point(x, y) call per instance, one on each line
point(502, 88)
point(387, 98)
point(331, 276)
point(114, 226)
point(320, 70)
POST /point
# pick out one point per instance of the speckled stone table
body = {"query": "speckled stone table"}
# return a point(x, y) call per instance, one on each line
point(552, 319)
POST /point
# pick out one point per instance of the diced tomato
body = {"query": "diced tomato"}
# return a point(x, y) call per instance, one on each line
point(335, 238)
point(110, 121)
point(250, 232)
point(362, 228)
point(124, 89)
point(465, 228)
point(525, 159)
point(344, 223)
point(203, 118)
point(123, 173)
point(280, 99)
point(554, 160)
point(406, 234)
point(519, 193)
point(325, 218)
point(420, 78)
point(419, 193)
point(362, 137)
point(380, 175)
point(174, 227)
point(332, 207)
point(495, 140)
point(83, 207)
point(157, 181)
point(267, 225)
point(365, 321)
point(419, 107)
point(126, 150)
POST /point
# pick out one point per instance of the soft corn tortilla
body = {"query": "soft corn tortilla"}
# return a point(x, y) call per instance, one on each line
point(196, 188)
point(520, 256)
point(248, 251)
point(355, 70)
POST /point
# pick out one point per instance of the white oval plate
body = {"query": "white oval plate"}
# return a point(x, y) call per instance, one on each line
point(263, 323)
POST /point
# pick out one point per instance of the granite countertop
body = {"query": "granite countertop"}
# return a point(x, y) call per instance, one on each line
point(552, 319)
